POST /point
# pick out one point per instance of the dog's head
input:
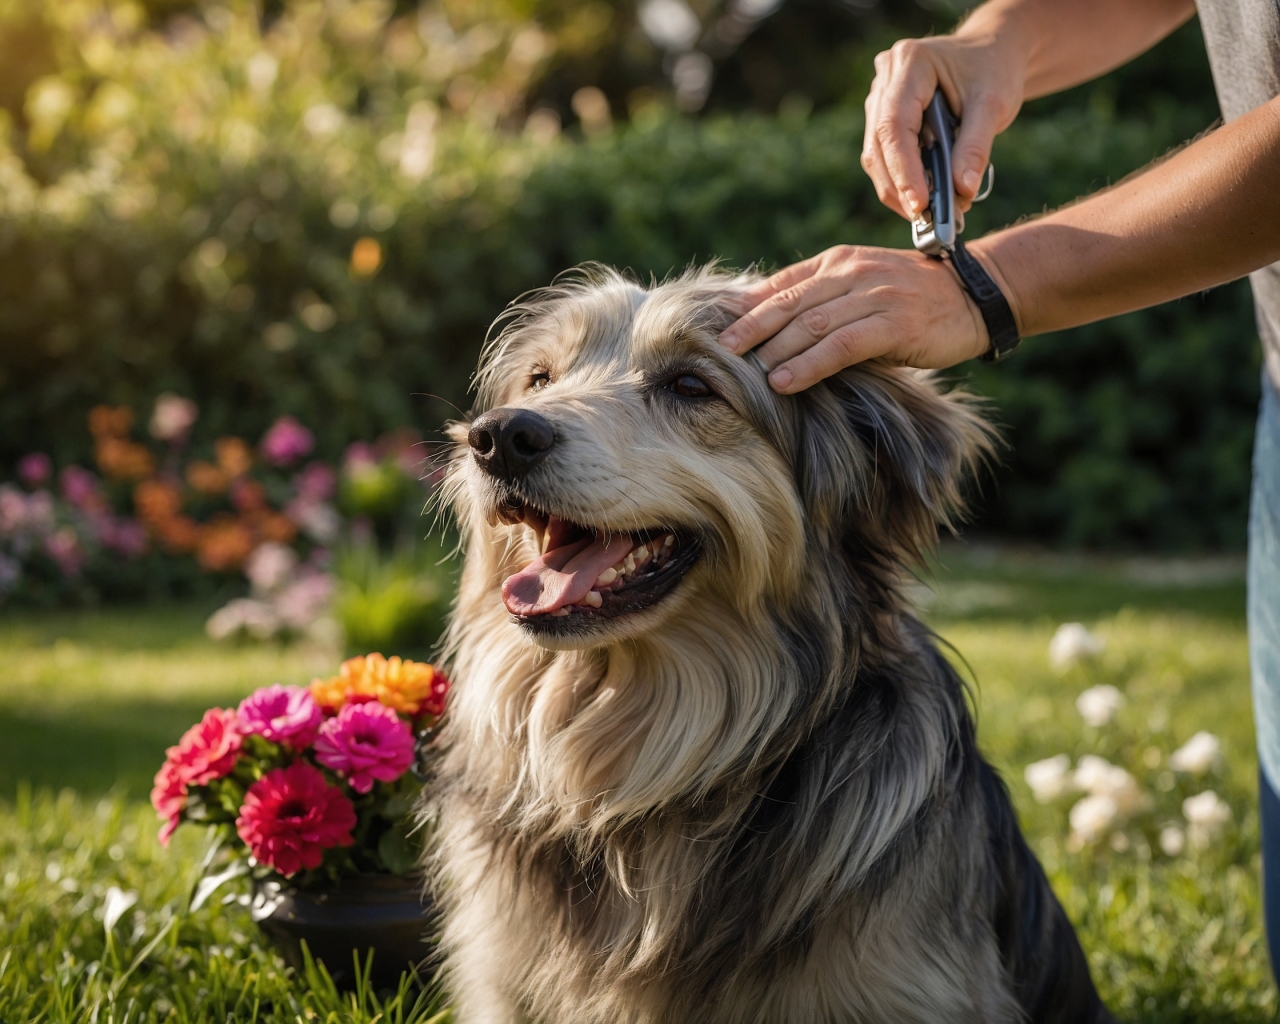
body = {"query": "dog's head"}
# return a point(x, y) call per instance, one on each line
point(622, 468)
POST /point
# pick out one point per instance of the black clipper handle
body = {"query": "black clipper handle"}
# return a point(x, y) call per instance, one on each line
point(939, 226)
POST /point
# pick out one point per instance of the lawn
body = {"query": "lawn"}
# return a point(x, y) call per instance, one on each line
point(89, 700)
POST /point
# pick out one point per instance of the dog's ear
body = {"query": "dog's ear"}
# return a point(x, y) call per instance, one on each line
point(884, 451)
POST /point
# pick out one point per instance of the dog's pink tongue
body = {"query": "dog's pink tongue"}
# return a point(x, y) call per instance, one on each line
point(563, 575)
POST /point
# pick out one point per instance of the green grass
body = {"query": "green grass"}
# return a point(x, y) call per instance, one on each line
point(88, 701)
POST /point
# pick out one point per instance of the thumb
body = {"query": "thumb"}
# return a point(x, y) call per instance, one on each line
point(973, 147)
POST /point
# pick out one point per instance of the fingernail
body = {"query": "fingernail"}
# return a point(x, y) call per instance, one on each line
point(910, 201)
point(780, 378)
point(729, 340)
point(970, 182)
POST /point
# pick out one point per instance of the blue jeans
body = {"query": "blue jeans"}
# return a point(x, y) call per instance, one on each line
point(1264, 646)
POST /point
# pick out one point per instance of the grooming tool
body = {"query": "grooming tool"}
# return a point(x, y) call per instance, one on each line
point(939, 227)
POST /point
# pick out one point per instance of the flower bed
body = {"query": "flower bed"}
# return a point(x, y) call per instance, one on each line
point(164, 515)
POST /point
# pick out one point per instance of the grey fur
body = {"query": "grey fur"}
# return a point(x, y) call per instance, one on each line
point(759, 800)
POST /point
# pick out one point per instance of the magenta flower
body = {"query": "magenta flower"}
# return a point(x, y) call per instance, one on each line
point(80, 487)
point(35, 469)
point(291, 815)
point(127, 537)
point(286, 441)
point(366, 742)
point(315, 482)
point(281, 714)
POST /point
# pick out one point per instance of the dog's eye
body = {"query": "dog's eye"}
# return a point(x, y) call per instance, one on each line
point(539, 381)
point(687, 385)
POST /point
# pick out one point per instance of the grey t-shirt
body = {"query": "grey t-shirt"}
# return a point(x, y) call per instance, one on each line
point(1243, 40)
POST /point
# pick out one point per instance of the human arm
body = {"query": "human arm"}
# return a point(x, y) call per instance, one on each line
point(1006, 52)
point(1210, 213)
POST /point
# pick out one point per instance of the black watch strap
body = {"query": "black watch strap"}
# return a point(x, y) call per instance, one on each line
point(994, 307)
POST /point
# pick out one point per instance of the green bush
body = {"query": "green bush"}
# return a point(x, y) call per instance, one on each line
point(264, 267)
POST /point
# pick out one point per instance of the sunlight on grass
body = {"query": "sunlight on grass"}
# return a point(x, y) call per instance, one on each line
point(90, 701)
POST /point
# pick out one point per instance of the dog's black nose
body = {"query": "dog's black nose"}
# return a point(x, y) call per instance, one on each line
point(508, 442)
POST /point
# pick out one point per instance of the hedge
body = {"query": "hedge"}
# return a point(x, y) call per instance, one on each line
point(246, 288)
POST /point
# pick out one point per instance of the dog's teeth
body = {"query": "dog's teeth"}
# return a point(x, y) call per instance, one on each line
point(606, 577)
point(641, 554)
point(560, 613)
point(628, 564)
point(668, 541)
point(593, 599)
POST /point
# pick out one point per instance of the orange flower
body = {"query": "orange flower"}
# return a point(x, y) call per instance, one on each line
point(234, 456)
point(223, 544)
point(123, 460)
point(405, 686)
point(156, 501)
point(206, 478)
point(274, 526)
point(179, 534)
point(106, 421)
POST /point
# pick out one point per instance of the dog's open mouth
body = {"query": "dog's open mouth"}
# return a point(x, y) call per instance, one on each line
point(592, 573)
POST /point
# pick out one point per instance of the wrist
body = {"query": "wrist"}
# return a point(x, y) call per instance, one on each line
point(987, 251)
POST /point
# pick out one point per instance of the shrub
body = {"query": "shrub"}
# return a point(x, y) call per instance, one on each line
point(269, 253)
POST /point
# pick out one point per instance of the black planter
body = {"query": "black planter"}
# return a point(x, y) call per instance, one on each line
point(385, 913)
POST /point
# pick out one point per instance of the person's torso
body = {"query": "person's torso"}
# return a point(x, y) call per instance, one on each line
point(1243, 41)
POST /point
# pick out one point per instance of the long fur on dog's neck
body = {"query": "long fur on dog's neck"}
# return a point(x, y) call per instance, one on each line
point(646, 828)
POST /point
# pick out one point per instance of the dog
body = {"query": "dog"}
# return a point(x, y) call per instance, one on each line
point(702, 764)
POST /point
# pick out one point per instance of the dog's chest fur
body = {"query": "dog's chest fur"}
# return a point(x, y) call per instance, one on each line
point(781, 898)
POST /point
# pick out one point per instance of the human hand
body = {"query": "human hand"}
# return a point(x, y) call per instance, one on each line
point(853, 303)
point(981, 75)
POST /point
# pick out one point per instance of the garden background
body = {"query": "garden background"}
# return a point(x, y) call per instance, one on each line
point(248, 255)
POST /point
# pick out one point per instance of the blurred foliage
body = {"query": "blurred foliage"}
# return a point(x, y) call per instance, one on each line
point(317, 209)
point(395, 601)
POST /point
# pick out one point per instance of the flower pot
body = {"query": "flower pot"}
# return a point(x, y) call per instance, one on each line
point(385, 913)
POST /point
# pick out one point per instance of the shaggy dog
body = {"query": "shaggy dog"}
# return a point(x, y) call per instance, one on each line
point(702, 764)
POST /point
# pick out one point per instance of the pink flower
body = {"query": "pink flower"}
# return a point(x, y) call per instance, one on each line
point(281, 714)
point(315, 482)
point(35, 469)
point(80, 487)
point(207, 751)
point(63, 547)
point(127, 537)
point(366, 742)
point(291, 815)
point(286, 441)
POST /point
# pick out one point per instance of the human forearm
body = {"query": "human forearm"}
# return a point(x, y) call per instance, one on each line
point(1208, 214)
point(1061, 43)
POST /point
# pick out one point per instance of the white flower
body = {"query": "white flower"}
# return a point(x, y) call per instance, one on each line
point(1071, 643)
point(1098, 704)
point(1206, 814)
point(1172, 840)
point(270, 566)
point(1092, 817)
point(115, 905)
point(255, 617)
point(172, 417)
point(1099, 777)
point(1050, 779)
point(1197, 755)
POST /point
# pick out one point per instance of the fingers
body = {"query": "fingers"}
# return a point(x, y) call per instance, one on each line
point(811, 326)
point(777, 300)
point(852, 343)
point(972, 152)
point(910, 81)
